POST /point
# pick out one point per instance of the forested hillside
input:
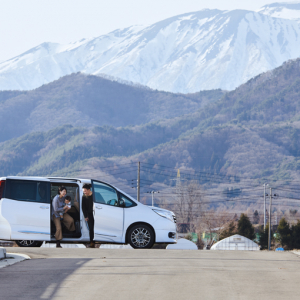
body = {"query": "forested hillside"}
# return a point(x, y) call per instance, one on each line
point(88, 101)
point(261, 115)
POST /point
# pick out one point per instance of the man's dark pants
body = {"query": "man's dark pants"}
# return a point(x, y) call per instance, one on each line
point(91, 223)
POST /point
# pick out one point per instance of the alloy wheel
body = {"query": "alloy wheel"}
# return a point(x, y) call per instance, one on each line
point(140, 237)
point(26, 243)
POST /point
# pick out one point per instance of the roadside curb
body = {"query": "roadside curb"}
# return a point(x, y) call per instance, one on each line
point(2, 252)
point(296, 252)
point(12, 258)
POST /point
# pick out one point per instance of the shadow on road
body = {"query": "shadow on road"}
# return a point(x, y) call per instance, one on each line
point(37, 278)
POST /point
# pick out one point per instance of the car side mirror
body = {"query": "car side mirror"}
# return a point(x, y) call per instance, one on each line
point(122, 203)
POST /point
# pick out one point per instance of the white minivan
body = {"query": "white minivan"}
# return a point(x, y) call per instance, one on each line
point(26, 214)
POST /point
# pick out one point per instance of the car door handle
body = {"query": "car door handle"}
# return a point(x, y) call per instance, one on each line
point(44, 207)
point(99, 207)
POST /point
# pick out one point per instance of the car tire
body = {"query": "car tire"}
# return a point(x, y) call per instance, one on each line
point(141, 236)
point(29, 243)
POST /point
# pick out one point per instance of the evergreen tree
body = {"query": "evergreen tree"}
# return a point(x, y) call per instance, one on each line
point(264, 238)
point(296, 235)
point(245, 227)
point(285, 233)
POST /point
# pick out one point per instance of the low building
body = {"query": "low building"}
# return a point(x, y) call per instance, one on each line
point(235, 242)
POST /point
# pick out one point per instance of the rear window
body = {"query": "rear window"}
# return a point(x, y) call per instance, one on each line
point(30, 191)
point(2, 185)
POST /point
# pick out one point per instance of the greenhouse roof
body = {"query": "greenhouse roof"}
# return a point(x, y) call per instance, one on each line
point(235, 242)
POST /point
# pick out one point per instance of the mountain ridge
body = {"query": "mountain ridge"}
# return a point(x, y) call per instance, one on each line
point(284, 10)
point(87, 101)
point(197, 51)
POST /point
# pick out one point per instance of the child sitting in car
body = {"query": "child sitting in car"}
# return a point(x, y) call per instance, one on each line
point(68, 204)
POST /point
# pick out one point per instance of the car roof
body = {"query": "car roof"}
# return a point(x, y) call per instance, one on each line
point(44, 178)
point(40, 178)
point(69, 178)
point(26, 177)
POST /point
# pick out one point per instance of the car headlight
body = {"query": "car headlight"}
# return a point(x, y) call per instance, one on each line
point(164, 214)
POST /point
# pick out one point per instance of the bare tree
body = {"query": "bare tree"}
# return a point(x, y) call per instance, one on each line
point(188, 204)
point(213, 222)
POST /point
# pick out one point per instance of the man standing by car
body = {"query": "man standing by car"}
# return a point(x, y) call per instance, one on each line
point(87, 209)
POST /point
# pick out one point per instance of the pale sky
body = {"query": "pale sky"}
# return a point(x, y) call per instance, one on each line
point(27, 23)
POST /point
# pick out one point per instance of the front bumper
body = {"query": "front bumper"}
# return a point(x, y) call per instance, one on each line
point(163, 228)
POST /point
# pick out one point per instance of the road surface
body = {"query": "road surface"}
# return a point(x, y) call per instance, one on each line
point(72, 273)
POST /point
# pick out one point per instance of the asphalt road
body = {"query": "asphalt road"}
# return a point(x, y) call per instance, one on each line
point(72, 273)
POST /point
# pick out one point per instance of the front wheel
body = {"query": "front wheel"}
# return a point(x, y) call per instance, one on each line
point(141, 237)
point(29, 243)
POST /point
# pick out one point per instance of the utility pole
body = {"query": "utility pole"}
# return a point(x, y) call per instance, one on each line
point(270, 223)
point(264, 206)
point(152, 192)
point(138, 182)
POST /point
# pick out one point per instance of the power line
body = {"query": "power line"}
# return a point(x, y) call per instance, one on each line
point(220, 175)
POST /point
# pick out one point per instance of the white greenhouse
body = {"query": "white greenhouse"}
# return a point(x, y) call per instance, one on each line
point(235, 242)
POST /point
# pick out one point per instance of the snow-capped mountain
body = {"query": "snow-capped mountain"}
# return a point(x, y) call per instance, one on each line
point(195, 51)
point(282, 10)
